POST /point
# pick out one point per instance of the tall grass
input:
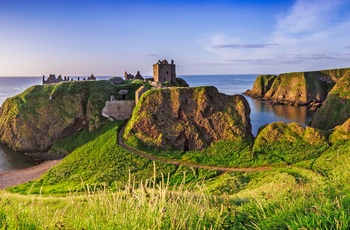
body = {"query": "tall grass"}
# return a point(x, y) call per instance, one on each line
point(150, 205)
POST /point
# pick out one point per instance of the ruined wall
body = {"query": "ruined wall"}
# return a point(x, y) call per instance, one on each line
point(119, 110)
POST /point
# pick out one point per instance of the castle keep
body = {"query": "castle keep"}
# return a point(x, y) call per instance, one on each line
point(163, 71)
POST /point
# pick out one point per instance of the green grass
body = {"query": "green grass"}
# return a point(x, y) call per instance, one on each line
point(100, 162)
point(284, 198)
point(99, 185)
point(153, 206)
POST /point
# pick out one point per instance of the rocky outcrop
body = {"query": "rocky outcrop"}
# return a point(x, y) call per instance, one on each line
point(188, 118)
point(299, 88)
point(261, 85)
point(336, 108)
point(34, 119)
point(290, 143)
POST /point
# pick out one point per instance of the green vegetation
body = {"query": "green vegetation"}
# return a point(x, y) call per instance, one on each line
point(101, 162)
point(289, 143)
point(336, 108)
point(54, 111)
point(100, 185)
point(153, 206)
point(221, 153)
point(284, 198)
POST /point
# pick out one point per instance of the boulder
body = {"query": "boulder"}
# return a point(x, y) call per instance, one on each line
point(188, 118)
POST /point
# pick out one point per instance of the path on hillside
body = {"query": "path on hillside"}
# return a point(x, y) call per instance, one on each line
point(175, 162)
point(16, 177)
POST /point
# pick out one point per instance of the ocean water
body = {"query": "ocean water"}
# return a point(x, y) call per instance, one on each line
point(261, 112)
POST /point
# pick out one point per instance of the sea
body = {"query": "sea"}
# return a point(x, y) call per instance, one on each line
point(261, 112)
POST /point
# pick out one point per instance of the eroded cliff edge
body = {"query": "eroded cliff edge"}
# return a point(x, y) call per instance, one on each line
point(189, 118)
point(298, 88)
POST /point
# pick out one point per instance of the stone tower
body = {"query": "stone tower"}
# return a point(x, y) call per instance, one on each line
point(163, 71)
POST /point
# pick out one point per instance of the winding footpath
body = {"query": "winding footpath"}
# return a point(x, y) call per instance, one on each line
point(16, 177)
point(175, 162)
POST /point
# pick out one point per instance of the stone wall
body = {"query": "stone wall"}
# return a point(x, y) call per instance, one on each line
point(119, 110)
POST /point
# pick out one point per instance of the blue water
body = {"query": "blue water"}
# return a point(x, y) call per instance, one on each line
point(261, 113)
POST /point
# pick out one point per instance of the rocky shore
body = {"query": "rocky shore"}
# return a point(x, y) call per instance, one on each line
point(16, 177)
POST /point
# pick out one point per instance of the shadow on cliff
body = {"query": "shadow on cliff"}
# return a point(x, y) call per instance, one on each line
point(335, 111)
point(75, 141)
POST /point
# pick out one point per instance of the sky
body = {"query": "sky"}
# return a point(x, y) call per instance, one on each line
point(106, 38)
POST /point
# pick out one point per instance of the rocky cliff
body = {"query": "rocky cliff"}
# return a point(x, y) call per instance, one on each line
point(188, 118)
point(34, 119)
point(336, 108)
point(261, 85)
point(299, 88)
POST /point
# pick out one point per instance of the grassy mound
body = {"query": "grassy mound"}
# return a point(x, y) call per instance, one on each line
point(289, 143)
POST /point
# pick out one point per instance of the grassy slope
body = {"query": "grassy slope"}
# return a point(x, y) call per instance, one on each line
point(101, 162)
point(314, 193)
point(286, 197)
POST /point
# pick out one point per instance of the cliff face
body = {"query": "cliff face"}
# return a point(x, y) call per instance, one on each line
point(261, 85)
point(189, 118)
point(336, 108)
point(34, 119)
point(299, 88)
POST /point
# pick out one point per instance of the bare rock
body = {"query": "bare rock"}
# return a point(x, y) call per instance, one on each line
point(189, 118)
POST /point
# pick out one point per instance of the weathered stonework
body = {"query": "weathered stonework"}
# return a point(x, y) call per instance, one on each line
point(119, 110)
point(164, 72)
point(139, 92)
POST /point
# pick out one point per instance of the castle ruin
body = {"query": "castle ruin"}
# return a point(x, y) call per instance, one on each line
point(122, 109)
point(164, 72)
point(53, 79)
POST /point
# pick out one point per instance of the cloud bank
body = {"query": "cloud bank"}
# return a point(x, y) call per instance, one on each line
point(311, 34)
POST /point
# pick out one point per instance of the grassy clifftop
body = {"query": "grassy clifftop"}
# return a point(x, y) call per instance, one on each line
point(297, 88)
point(34, 119)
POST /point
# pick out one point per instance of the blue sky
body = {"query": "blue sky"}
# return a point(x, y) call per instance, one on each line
point(106, 37)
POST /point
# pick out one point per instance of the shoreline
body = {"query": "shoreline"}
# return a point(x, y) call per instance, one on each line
point(15, 177)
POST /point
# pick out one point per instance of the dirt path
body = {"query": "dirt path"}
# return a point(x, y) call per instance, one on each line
point(175, 162)
point(16, 177)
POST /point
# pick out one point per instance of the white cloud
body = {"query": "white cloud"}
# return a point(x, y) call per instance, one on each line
point(311, 34)
point(308, 16)
point(213, 42)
